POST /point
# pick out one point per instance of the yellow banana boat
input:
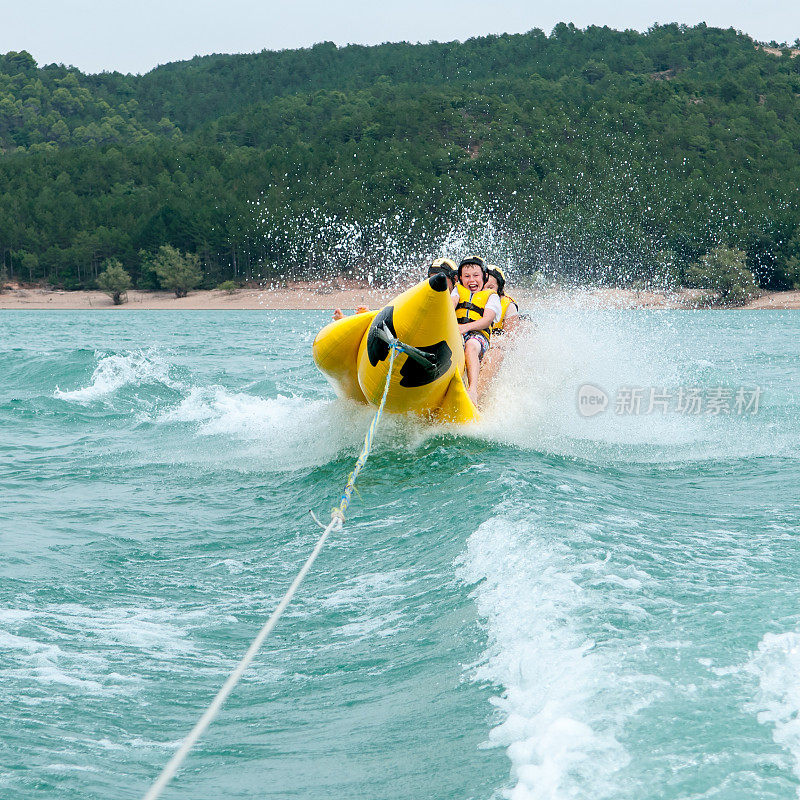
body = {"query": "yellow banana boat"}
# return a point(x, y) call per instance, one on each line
point(353, 354)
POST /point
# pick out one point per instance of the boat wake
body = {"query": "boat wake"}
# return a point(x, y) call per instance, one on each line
point(560, 702)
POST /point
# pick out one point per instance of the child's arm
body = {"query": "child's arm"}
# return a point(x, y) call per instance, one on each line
point(478, 324)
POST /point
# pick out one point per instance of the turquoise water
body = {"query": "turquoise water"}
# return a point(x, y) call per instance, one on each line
point(547, 606)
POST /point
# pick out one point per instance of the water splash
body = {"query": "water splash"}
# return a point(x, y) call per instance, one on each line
point(291, 431)
point(532, 402)
point(596, 216)
point(114, 372)
point(389, 251)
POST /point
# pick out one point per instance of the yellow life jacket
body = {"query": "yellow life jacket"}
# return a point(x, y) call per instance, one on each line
point(471, 306)
point(505, 301)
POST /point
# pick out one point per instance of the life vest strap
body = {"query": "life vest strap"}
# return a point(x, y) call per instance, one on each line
point(467, 307)
point(470, 307)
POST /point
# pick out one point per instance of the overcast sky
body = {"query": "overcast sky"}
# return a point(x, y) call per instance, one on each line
point(137, 35)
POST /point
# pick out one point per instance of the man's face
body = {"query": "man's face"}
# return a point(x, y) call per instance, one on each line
point(472, 277)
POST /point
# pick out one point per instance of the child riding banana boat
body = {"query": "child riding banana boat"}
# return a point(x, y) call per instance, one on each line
point(439, 352)
point(509, 309)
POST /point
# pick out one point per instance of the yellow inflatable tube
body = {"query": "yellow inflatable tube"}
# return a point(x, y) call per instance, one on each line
point(353, 354)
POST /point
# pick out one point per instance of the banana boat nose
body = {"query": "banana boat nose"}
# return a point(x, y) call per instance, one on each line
point(353, 354)
point(438, 282)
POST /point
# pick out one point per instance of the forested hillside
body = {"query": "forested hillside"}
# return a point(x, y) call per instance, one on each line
point(597, 154)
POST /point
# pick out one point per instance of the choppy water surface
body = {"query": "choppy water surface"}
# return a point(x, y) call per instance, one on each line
point(548, 606)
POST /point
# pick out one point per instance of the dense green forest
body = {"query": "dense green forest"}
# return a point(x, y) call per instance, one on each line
point(592, 154)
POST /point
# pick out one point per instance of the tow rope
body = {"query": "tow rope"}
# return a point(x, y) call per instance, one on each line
point(336, 524)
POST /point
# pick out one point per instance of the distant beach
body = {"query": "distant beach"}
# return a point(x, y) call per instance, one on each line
point(310, 295)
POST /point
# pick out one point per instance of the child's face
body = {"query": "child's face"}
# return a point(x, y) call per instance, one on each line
point(491, 283)
point(472, 277)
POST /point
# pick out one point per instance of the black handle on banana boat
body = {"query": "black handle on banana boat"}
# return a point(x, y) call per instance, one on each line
point(425, 360)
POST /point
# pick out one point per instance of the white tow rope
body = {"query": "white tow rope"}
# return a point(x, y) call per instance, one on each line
point(336, 523)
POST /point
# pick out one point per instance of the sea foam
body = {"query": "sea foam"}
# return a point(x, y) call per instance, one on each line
point(776, 666)
point(559, 739)
point(74, 645)
point(296, 432)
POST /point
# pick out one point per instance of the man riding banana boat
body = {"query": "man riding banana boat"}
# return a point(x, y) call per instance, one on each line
point(438, 352)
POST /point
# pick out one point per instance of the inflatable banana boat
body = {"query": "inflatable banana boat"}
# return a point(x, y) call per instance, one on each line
point(353, 354)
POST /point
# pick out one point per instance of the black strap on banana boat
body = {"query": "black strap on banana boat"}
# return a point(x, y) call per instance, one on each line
point(425, 360)
point(336, 524)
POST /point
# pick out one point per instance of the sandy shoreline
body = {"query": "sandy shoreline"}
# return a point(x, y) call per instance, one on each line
point(319, 296)
point(294, 296)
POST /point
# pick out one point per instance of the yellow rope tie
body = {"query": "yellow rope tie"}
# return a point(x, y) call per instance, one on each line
point(338, 512)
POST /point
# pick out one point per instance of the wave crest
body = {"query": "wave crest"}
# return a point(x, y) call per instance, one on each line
point(114, 372)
